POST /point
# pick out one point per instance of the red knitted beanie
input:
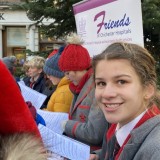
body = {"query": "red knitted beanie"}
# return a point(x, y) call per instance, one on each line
point(15, 116)
point(74, 58)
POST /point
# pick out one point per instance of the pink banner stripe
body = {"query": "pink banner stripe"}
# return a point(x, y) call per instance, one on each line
point(90, 4)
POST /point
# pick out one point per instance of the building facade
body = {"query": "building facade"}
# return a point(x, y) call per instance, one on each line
point(17, 32)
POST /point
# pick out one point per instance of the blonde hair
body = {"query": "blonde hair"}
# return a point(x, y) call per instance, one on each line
point(22, 146)
point(37, 62)
point(25, 66)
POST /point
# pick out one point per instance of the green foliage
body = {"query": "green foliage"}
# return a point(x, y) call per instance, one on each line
point(151, 23)
point(19, 72)
point(151, 14)
point(59, 10)
point(38, 53)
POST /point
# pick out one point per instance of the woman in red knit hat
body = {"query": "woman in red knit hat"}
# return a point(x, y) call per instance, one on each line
point(86, 121)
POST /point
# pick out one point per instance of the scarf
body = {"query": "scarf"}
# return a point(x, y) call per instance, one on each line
point(76, 89)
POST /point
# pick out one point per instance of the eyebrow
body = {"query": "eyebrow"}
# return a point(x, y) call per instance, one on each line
point(116, 77)
point(123, 75)
point(99, 78)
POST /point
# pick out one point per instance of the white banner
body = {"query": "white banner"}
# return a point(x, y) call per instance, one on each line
point(102, 22)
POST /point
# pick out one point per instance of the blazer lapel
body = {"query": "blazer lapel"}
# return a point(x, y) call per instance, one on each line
point(129, 151)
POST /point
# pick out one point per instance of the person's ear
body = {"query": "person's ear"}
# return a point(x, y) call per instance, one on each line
point(40, 70)
point(149, 92)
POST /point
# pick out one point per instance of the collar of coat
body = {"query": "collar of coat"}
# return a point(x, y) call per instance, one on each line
point(152, 112)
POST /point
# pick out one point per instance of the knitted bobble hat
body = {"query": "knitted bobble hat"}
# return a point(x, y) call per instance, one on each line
point(9, 62)
point(15, 116)
point(74, 57)
point(51, 65)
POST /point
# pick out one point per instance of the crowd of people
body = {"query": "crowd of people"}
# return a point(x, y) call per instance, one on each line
point(112, 101)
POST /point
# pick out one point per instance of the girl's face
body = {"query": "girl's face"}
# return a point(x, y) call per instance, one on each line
point(34, 72)
point(27, 73)
point(75, 76)
point(119, 91)
point(53, 79)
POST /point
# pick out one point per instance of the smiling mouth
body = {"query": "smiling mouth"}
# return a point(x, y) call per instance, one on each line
point(114, 105)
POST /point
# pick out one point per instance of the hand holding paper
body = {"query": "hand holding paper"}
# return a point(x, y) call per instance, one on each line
point(63, 125)
point(31, 95)
point(53, 120)
point(64, 146)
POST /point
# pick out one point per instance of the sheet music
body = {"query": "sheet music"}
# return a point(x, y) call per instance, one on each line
point(53, 119)
point(31, 95)
point(55, 157)
point(63, 145)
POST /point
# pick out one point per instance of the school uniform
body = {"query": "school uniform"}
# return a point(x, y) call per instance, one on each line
point(86, 121)
point(142, 143)
point(38, 85)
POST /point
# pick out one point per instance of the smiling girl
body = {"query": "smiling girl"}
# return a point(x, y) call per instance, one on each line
point(126, 92)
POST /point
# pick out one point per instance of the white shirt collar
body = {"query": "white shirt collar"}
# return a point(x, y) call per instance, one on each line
point(123, 132)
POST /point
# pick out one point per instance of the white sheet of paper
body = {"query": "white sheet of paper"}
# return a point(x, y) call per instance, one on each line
point(55, 157)
point(53, 119)
point(31, 95)
point(64, 146)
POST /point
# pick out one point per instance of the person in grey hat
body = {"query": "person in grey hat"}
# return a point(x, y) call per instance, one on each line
point(10, 62)
point(61, 99)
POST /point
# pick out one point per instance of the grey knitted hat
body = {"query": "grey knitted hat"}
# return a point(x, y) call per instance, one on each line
point(51, 65)
point(9, 62)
